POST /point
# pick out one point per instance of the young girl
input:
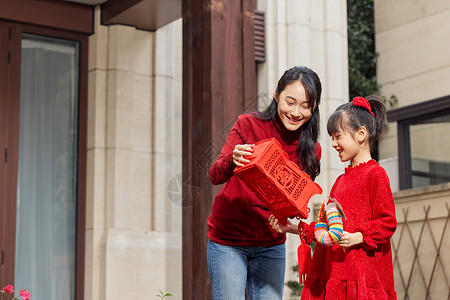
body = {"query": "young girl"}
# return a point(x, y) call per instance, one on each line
point(243, 250)
point(360, 265)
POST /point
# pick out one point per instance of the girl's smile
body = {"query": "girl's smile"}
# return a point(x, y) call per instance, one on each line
point(351, 146)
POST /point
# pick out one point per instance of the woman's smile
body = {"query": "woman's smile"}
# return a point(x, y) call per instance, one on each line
point(293, 106)
point(294, 121)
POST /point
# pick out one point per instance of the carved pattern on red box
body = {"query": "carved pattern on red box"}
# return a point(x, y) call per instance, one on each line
point(277, 181)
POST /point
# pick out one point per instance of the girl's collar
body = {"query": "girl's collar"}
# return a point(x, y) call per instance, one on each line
point(349, 169)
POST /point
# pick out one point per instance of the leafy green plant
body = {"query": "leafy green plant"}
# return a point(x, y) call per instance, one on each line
point(163, 295)
point(295, 286)
point(362, 59)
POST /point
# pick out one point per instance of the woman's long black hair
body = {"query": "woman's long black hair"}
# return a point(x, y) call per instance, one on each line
point(307, 143)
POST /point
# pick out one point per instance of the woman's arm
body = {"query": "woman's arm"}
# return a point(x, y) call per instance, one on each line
point(283, 227)
point(304, 230)
point(232, 154)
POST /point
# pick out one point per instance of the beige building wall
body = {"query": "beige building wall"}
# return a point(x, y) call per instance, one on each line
point(133, 237)
point(412, 40)
point(311, 33)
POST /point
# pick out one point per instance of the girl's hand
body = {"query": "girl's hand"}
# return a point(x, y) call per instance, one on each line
point(351, 239)
point(280, 227)
point(239, 152)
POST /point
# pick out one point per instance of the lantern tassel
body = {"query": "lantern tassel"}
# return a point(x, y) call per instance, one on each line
point(304, 261)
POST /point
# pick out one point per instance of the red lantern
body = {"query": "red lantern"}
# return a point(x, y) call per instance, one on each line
point(277, 181)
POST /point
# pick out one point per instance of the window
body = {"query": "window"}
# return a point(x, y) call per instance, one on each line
point(423, 142)
point(45, 254)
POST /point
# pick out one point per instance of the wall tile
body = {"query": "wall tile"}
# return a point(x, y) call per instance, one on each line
point(426, 48)
point(144, 262)
point(96, 136)
point(391, 14)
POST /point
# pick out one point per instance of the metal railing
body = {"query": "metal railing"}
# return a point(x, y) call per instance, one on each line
point(421, 269)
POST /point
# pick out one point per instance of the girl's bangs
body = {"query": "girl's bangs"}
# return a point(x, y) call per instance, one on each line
point(335, 122)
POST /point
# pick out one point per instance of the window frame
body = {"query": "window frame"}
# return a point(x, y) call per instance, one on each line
point(411, 115)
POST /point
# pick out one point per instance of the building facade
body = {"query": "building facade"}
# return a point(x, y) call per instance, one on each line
point(99, 100)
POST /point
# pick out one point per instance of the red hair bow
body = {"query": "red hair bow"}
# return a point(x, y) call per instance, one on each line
point(362, 102)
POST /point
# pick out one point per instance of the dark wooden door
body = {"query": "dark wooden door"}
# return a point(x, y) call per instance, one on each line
point(8, 148)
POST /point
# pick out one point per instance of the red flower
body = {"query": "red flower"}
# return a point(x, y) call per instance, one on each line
point(9, 289)
point(24, 294)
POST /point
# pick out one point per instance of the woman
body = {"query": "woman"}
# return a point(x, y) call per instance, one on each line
point(243, 250)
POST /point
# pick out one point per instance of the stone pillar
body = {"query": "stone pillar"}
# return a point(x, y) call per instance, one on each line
point(134, 150)
point(314, 34)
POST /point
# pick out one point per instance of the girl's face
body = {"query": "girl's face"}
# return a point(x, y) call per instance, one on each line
point(351, 146)
point(294, 108)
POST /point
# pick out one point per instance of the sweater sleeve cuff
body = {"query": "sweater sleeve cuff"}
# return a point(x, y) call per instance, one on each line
point(368, 243)
point(231, 165)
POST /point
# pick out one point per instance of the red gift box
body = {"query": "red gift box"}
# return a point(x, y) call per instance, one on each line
point(277, 181)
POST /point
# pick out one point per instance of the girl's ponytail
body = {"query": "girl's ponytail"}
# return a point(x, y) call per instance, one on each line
point(379, 110)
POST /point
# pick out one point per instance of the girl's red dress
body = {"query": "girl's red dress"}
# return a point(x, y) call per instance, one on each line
point(364, 271)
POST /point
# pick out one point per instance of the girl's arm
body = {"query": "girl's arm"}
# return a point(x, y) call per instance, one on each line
point(351, 239)
point(383, 221)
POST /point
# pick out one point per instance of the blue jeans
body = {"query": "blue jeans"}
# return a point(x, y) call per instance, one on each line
point(260, 268)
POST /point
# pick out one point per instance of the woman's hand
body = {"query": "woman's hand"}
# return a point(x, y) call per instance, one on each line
point(351, 239)
point(280, 227)
point(239, 152)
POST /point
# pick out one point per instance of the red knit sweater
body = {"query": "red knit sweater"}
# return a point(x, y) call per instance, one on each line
point(238, 217)
point(364, 271)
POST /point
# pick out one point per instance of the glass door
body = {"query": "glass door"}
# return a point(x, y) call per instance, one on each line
point(46, 220)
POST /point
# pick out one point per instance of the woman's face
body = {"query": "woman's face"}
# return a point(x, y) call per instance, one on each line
point(294, 107)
